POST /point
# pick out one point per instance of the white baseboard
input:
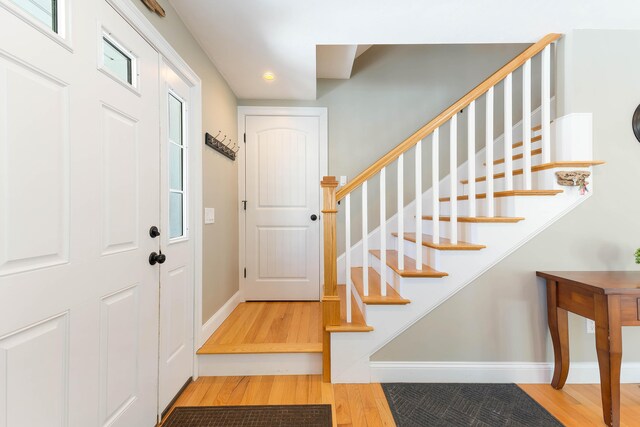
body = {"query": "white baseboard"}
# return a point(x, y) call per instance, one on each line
point(260, 364)
point(490, 372)
point(216, 320)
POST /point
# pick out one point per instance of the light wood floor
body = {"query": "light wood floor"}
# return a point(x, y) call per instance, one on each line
point(269, 327)
point(579, 405)
point(353, 404)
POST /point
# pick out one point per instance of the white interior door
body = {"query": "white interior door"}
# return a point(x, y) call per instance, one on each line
point(176, 274)
point(79, 190)
point(282, 208)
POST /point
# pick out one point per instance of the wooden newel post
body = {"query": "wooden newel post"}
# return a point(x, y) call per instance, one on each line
point(330, 298)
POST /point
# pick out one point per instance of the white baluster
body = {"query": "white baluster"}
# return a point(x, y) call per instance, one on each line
point(489, 153)
point(471, 156)
point(347, 256)
point(383, 231)
point(401, 212)
point(419, 205)
point(546, 105)
point(526, 122)
point(453, 174)
point(508, 132)
point(365, 241)
point(435, 183)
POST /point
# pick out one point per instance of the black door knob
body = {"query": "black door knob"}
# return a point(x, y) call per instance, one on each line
point(154, 232)
point(157, 258)
point(314, 217)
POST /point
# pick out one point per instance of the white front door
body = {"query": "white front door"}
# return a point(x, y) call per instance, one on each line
point(79, 173)
point(282, 208)
point(176, 274)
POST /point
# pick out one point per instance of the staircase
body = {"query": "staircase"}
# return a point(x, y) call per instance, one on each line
point(450, 234)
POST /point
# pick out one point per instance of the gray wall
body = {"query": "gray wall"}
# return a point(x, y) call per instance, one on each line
point(219, 112)
point(501, 315)
point(395, 90)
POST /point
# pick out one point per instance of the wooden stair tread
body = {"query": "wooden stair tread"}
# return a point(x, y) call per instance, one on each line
point(358, 324)
point(409, 266)
point(521, 143)
point(538, 127)
point(254, 348)
point(543, 166)
point(534, 152)
point(375, 297)
point(510, 193)
point(477, 219)
point(444, 245)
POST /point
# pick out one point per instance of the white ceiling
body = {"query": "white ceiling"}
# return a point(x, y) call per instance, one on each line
point(245, 38)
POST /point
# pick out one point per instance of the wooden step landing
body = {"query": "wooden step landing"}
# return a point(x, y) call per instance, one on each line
point(409, 266)
point(478, 219)
point(358, 324)
point(510, 193)
point(535, 152)
point(444, 245)
point(375, 297)
point(541, 167)
point(268, 327)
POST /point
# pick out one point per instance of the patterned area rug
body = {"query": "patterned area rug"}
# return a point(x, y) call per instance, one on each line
point(449, 405)
point(250, 416)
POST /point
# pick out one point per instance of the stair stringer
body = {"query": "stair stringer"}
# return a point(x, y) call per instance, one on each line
point(350, 352)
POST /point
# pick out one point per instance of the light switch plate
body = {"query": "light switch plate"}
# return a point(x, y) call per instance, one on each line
point(209, 215)
point(343, 181)
point(591, 326)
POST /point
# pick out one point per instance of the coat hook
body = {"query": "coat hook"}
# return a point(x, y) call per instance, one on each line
point(228, 145)
point(216, 137)
point(237, 149)
point(221, 141)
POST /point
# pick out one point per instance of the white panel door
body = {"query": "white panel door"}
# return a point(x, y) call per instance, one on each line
point(282, 208)
point(176, 274)
point(79, 172)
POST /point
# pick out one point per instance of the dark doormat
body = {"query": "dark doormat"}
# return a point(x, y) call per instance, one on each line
point(250, 416)
point(486, 405)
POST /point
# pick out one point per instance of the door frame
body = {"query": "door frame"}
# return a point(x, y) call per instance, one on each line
point(145, 28)
point(323, 147)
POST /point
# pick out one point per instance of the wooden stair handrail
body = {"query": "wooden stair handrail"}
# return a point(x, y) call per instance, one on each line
point(447, 114)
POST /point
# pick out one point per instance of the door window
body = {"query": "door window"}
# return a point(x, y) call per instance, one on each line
point(44, 11)
point(177, 168)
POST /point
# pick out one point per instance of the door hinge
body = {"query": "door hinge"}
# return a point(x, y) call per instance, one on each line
point(245, 273)
point(244, 205)
point(245, 137)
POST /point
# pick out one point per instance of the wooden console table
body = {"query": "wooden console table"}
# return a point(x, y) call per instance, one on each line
point(612, 299)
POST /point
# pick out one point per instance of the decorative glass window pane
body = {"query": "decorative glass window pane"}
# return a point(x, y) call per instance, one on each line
point(175, 120)
point(175, 167)
point(176, 226)
point(44, 11)
point(117, 62)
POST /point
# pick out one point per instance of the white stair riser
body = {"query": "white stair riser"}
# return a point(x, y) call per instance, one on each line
point(260, 364)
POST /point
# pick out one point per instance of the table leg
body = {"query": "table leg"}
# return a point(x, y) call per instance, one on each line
point(609, 348)
point(559, 328)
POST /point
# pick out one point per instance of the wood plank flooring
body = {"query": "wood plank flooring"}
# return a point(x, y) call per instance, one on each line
point(268, 327)
point(579, 405)
point(364, 405)
point(358, 405)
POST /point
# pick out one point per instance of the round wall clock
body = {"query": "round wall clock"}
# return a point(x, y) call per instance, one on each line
point(635, 123)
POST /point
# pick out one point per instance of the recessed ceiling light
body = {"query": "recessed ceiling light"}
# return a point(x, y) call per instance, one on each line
point(269, 76)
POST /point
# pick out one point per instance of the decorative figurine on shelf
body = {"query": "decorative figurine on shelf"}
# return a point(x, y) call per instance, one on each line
point(153, 6)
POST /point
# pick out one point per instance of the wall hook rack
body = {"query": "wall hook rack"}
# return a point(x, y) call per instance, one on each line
point(219, 146)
